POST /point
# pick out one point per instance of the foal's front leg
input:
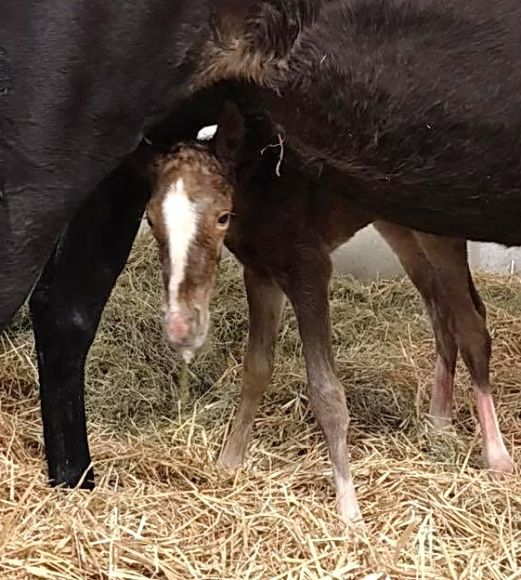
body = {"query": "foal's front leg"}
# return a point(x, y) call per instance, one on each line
point(307, 289)
point(265, 303)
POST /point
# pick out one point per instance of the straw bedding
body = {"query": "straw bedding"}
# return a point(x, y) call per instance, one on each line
point(161, 509)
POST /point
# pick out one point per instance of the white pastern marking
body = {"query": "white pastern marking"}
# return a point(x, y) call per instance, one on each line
point(180, 215)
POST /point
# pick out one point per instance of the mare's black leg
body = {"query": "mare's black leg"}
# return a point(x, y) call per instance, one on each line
point(66, 307)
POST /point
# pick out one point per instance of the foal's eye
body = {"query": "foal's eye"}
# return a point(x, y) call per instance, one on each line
point(224, 219)
point(149, 222)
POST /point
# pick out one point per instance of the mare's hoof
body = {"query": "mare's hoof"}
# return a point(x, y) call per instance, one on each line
point(68, 480)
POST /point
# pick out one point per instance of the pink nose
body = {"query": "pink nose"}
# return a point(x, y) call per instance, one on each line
point(177, 327)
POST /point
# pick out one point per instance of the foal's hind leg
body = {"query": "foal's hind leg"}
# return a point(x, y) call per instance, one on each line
point(470, 331)
point(66, 307)
point(420, 271)
point(307, 288)
point(265, 302)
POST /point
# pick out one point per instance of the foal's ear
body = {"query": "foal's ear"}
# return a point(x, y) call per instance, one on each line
point(230, 133)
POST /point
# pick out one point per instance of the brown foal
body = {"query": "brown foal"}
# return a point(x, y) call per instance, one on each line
point(283, 231)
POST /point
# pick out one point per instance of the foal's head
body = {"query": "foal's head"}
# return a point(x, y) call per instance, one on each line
point(189, 214)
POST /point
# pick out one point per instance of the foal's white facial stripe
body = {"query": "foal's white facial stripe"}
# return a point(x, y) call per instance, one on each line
point(180, 215)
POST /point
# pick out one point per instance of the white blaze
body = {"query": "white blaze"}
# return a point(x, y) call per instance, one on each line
point(180, 215)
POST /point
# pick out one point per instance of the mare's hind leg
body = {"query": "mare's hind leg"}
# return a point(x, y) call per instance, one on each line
point(306, 285)
point(472, 337)
point(265, 302)
point(420, 271)
point(66, 307)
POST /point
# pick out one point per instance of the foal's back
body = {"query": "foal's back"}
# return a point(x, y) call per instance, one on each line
point(418, 104)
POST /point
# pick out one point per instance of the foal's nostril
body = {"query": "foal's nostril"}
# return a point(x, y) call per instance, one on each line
point(178, 328)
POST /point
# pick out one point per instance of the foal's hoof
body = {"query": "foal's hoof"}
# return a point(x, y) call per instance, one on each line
point(352, 527)
point(498, 462)
point(435, 424)
point(230, 462)
point(351, 516)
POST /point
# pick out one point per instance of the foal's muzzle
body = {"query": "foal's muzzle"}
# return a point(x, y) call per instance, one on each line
point(186, 330)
